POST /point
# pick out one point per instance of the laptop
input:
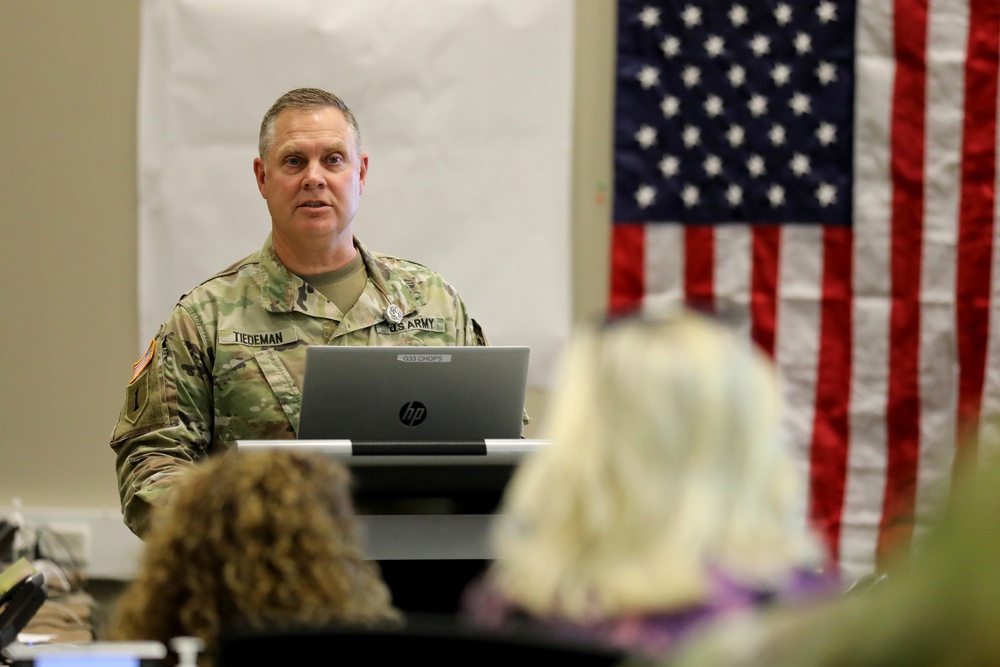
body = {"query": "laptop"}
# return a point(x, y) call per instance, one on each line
point(413, 394)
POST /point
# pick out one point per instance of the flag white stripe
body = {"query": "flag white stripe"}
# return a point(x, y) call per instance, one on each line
point(732, 274)
point(664, 269)
point(796, 345)
point(948, 25)
point(867, 461)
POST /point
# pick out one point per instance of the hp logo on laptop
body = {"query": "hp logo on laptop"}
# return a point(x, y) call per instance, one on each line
point(412, 413)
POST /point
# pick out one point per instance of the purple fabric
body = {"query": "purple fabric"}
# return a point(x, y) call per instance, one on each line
point(654, 634)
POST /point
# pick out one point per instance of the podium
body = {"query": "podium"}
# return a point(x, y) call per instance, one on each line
point(422, 500)
point(430, 502)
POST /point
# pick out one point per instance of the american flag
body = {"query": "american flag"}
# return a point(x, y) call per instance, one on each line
point(824, 173)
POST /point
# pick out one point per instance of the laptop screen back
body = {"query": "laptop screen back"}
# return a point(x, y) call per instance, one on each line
point(415, 394)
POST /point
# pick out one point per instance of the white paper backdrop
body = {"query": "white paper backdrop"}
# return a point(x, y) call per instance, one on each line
point(465, 109)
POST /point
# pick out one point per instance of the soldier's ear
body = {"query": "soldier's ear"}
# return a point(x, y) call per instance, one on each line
point(363, 172)
point(261, 176)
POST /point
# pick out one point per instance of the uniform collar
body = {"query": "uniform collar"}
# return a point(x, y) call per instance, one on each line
point(283, 291)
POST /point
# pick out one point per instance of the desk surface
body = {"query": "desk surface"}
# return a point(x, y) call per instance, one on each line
point(490, 452)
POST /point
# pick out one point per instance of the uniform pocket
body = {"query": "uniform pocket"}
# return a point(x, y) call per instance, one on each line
point(256, 398)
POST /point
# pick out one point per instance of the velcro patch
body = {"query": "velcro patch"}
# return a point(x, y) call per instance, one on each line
point(136, 394)
point(434, 324)
point(258, 339)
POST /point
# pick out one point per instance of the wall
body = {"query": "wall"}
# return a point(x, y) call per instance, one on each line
point(68, 72)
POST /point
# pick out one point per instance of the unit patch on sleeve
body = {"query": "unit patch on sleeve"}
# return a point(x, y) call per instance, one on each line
point(136, 394)
point(433, 324)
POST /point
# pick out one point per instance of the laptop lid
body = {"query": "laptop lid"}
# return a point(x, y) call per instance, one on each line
point(413, 394)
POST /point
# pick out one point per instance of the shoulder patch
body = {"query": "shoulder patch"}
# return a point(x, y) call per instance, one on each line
point(136, 394)
point(147, 356)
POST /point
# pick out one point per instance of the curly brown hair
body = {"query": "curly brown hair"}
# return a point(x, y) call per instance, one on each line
point(252, 538)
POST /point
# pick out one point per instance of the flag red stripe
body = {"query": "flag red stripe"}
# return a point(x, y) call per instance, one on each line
point(766, 253)
point(907, 175)
point(828, 456)
point(628, 267)
point(699, 267)
point(976, 211)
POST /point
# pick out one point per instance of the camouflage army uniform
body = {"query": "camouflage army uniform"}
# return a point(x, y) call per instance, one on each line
point(228, 363)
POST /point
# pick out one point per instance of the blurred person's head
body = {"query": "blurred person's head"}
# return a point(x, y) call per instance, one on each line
point(252, 538)
point(665, 464)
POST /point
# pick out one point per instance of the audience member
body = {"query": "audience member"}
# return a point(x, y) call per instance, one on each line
point(940, 607)
point(665, 499)
point(252, 538)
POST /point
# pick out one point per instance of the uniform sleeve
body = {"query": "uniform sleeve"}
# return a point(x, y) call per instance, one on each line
point(474, 335)
point(467, 330)
point(165, 424)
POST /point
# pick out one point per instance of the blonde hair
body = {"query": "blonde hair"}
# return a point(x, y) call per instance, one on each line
point(252, 537)
point(664, 463)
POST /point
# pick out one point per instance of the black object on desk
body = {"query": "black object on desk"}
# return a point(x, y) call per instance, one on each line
point(18, 604)
point(430, 640)
point(426, 508)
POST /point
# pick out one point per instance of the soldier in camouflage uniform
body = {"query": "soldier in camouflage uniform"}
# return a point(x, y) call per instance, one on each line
point(228, 364)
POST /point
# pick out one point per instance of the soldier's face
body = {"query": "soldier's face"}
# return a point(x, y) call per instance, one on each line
point(312, 176)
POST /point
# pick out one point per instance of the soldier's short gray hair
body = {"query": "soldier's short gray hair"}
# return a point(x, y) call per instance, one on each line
point(303, 99)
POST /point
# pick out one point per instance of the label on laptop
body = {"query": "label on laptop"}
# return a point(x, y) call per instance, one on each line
point(424, 358)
